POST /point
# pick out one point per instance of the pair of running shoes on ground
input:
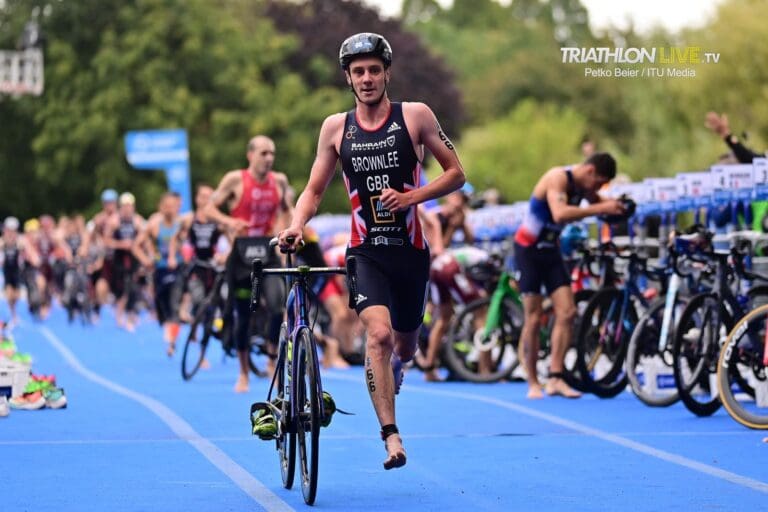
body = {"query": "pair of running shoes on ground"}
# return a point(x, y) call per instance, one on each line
point(40, 392)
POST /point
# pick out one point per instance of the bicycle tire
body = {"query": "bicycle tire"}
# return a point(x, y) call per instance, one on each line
point(696, 344)
point(308, 422)
point(286, 441)
point(613, 380)
point(202, 328)
point(645, 342)
point(732, 354)
point(507, 337)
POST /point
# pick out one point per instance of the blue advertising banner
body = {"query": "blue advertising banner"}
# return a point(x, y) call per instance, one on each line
point(166, 150)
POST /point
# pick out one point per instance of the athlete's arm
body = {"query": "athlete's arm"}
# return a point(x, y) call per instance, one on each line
point(562, 212)
point(178, 239)
point(142, 247)
point(283, 217)
point(30, 252)
point(320, 176)
point(430, 134)
point(432, 231)
point(221, 195)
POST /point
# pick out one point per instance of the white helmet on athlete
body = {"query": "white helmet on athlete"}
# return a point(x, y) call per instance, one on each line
point(11, 224)
point(365, 44)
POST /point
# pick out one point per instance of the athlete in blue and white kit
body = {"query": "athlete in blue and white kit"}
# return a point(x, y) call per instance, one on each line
point(554, 202)
point(380, 145)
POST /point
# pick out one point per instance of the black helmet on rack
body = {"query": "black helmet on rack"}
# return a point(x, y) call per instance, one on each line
point(365, 44)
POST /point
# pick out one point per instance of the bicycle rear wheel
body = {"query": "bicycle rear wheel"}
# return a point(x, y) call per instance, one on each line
point(196, 344)
point(704, 322)
point(602, 341)
point(475, 357)
point(308, 398)
point(286, 441)
point(742, 359)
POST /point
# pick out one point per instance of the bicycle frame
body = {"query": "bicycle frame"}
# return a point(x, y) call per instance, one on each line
point(297, 319)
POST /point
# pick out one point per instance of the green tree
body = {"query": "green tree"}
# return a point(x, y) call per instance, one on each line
point(114, 66)
point(512, 152)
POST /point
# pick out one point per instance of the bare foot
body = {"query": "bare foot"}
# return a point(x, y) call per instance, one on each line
point(395, 452)
point(557, 386)
point(204, 364)
point(534, 392)
point(432, 376)
point(241, 386)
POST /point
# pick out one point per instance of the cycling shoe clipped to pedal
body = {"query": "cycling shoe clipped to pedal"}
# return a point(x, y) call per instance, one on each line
point(263, 422)
point(329, 408)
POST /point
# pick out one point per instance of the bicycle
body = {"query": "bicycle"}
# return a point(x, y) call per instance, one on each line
point(745, 351)
point(210, 320)
point(704, 325)
point(300, 407)
point(649, 355)
point(490, 328)
point(605, 329)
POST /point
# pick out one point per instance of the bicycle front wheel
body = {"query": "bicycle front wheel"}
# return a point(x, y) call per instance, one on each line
point(200, 331)
point(742, 358)
point(704, 322)
point(308, 398)
point(649, 358)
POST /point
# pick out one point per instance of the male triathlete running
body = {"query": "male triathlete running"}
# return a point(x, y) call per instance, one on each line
point(202, 234)
point(555, 201)
point(55, 256)
point(380, 145)
point(153, 249)
point(94, 244)
point(256, 198)
point(15, 251)
point(121, 232)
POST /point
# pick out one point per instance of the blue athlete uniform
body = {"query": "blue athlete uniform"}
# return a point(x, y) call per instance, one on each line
point(538, 258)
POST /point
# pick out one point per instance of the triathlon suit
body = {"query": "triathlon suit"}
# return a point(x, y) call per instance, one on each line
point(12, 264)
point(448, 278)
point(97, 238)
point(124, 263)
point(203, 236)
point(538, 258)
point(392, 257)
point(167, 294)
point(258, 206)
point(45, 248)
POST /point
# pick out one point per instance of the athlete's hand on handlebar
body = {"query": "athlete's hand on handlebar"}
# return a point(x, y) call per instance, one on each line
point(292, 233)
point(393, 200)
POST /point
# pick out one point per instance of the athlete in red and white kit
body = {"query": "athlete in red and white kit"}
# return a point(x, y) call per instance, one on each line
point(258, 206)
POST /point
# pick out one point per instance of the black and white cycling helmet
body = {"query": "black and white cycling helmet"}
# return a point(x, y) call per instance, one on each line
point(365, 44)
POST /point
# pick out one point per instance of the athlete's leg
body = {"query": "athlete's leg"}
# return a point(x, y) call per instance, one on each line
point(436, 334)
point(342, 321)
point(242, 343)
point(529, 341)
point(380, 345)
point(565, 310)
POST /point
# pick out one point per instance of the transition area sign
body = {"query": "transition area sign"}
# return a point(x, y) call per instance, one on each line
point(163, 150)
